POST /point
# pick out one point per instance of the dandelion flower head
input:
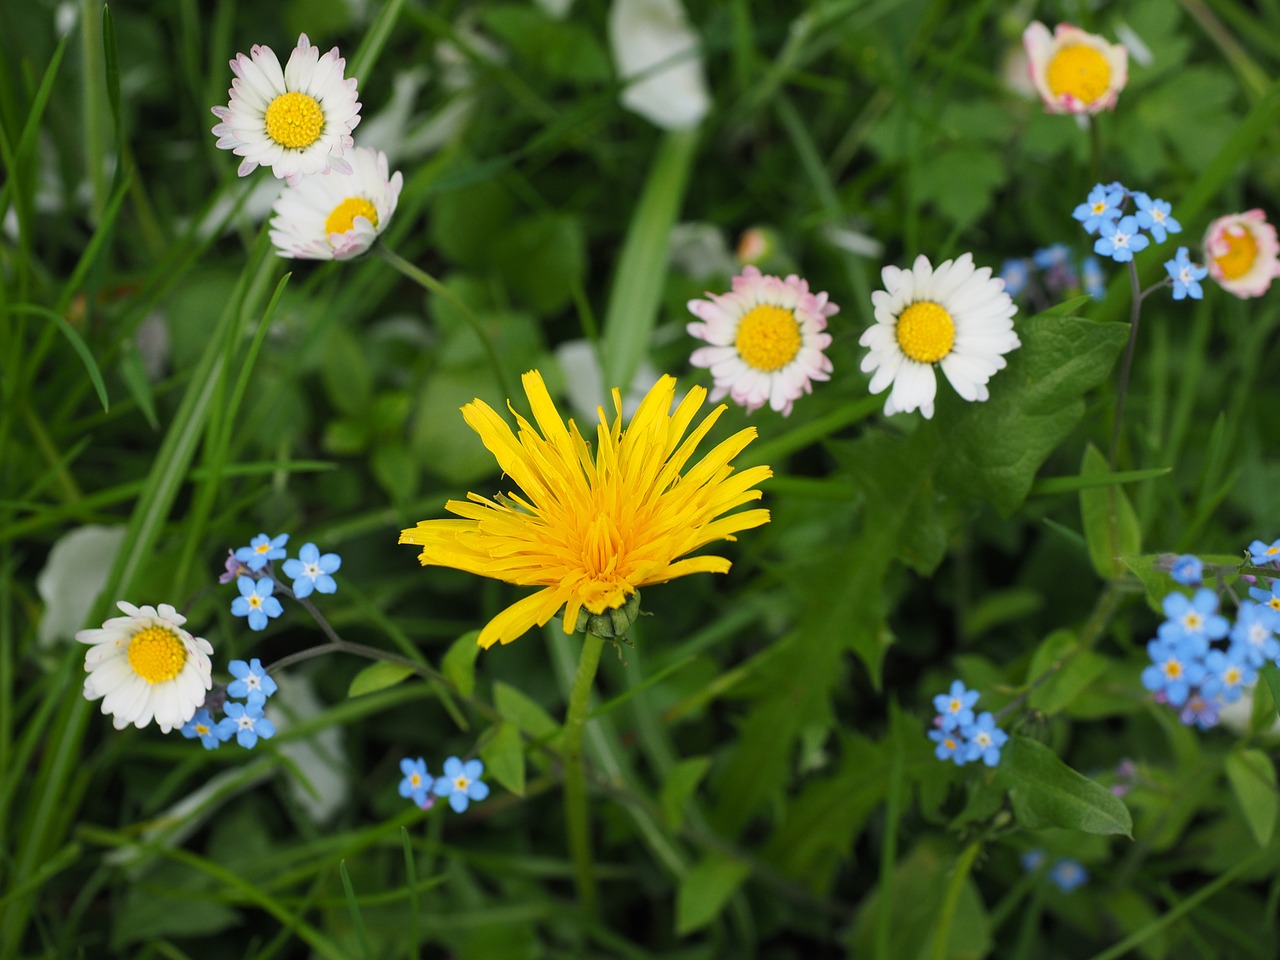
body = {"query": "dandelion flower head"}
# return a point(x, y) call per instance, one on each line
point(590, 529)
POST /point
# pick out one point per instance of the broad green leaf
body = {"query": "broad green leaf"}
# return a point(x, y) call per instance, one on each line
point(1270, 674)
point(377, 676)
point(680, 783)
point(527, 715)
point(459, 663)
point(503, 757)
point(914, 900)
point(994, 449)
point(820, 826)
point(705, 890)
point(1076, 668)
point(1252, 776)
point(558, 49)
point(543, 261)
point(1045, 792)
point(1110, 525)
point(464, 223)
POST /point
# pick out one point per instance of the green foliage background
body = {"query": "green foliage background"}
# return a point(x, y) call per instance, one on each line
point(761, 783)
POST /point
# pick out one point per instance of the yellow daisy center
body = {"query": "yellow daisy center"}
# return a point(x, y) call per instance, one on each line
point(926, 332)
point(294, 120)
point(343, 217)
point(1079, 71)
point(1242, 250)
point(768, 337)
point(156, 654)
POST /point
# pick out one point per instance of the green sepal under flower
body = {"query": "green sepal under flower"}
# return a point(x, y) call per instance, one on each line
point(613, 624)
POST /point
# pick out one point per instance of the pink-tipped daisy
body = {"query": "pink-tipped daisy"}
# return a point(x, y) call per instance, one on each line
point(144, 665)
point(1241, 251)
point(338, 216)
point(956, 316)
point(766, 339)
point(298, 120)
point(1075, 71)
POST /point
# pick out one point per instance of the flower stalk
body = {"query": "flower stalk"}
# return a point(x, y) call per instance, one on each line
point(577, 822)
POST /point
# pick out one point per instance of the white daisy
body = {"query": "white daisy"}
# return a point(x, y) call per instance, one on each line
point(1242, 253)
point(298, 120)
point(338, 216)
point(144, 665)
point(766, 339)
point(1075, 71)
point(955, 316)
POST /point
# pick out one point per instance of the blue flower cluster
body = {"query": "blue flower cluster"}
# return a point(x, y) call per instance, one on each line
point(960, 736)
point(245, 721)
point(461, 783)
point(1050, 274)
point(250, 567)
point(1065, 874)
point(1120, 234)
point(1187, 671)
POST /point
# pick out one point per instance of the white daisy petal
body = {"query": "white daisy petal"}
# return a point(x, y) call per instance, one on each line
point(337, 216)
point(767, 338)
point(145, 666)
point(956, 315)
point(297, 120)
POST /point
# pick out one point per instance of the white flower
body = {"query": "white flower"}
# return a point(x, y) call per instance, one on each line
point(657, 55)
point(298, 120)
point(955, 316)
point(338, 216)
point(144, 665)
point(1075, 71)
point(1242, 253)
point(766, 339)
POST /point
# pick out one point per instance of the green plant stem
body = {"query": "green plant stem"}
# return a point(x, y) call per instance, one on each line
point(575, 781)
point(1135, 311)
point(951, 899)
point(434, 286)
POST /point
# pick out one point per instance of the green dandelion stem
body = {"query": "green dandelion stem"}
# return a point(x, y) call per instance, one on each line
point(434, 286)
point(575, 782)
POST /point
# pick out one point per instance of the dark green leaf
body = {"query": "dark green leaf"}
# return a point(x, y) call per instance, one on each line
point(1252, 776)
point(377, 676)
point(1045, 792)
point(503, 757)
point(705, 890)
point(459, 663)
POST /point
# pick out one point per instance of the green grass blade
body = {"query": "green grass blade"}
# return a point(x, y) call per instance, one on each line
point(641, 271)
point(77, 344)
point(356, 917)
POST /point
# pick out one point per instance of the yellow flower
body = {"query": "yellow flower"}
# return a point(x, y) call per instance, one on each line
point(592, 530)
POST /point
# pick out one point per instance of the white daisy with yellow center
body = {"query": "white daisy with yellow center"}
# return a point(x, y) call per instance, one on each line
point(955, 316)
point(144, 666)
point(338, 216)
point(766, 339)
point(1242, 253)
point(1075, 71)
point(298, 120)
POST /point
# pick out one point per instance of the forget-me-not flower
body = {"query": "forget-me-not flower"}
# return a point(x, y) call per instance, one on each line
point(312, 570)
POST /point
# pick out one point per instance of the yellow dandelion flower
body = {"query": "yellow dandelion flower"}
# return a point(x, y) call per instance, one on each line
point(591, 530)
